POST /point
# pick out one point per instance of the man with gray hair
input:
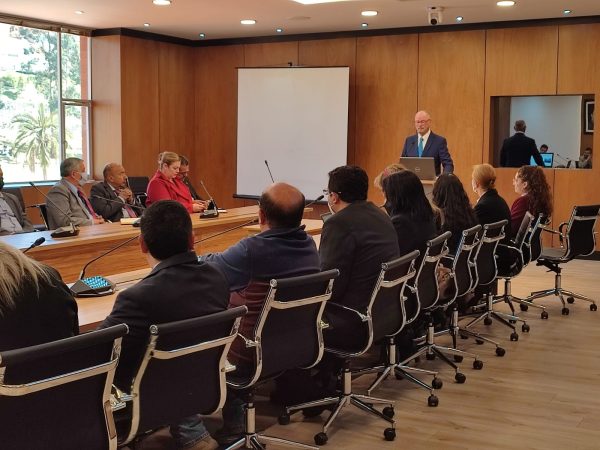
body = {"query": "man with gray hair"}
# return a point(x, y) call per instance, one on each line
point(67, 202)
point(518, 149)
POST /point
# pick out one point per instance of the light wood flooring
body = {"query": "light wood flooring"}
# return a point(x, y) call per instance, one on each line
point(543, 394)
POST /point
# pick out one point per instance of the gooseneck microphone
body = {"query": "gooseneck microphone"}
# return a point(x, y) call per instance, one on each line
point(69, 231)
point(237, 227)
point(269, 169)
point(125, 242)
point(212, 210)
point(37, 242)
point(318, 199)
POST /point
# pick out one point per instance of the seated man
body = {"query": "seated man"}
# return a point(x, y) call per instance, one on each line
point(282, 249)
point(179, 287)
point(184, 170)
point(112, 199)
point(356, 240)
point(67, 203)
point(12, 217)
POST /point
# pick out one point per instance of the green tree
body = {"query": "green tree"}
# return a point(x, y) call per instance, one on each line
point(37, 138)
point(10, 89)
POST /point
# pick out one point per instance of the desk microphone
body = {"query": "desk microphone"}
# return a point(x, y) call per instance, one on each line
point(69, 231)
point(119, 202)
point(212, 210)
point(269, 169)
point(96, 286)
point(237, 227)
point(318, 199)
point(37, 242)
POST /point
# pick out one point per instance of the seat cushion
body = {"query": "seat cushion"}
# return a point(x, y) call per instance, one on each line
point(553, 254)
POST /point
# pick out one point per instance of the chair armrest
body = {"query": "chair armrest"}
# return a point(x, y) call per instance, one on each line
point(118, 398)
point(249, 342)
point(561, 236)
point(345, 308)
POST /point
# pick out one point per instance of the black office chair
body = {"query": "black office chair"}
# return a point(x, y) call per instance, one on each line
point(182, 372)
point(578, 239)
point(139, 187)
point(17, 193)
point(57, 395)
point(288, 335)
point(352, 334)
point(43, 209)
point(390, 365)
point(429, 296)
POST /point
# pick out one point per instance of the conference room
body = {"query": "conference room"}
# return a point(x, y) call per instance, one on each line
point(305, 89)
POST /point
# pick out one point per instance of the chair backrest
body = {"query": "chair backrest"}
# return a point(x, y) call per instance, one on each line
point(462, 264)
point(425, 282)
point(57, 394)
point(43, 212)
point(525, 231)
point(580, 233)
point(485, 256)
point(289, 331)
point(183, 370)
point(533, 243)
point(138, 185)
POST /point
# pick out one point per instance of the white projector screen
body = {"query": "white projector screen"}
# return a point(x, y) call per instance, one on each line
point(296, 118)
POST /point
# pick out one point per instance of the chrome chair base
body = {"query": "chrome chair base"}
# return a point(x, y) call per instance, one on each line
point(559, 292)
point(489, 315)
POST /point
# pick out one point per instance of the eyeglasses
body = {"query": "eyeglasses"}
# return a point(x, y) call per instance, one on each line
point(326, 192)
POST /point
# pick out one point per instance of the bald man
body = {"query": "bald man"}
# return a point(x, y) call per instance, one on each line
point(427, 144)
point(111, 198)
point(281, 249)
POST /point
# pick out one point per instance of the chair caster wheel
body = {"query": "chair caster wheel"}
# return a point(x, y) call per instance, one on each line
point(479, 341)
point(593, 307)
point(512, 321)
point(284, 419)
point(487, 321)
point(458, 358)
point(544, 315)
point(321, 438)
point(525, 328)
point(430, 356)
point(460, 378)
point(500, 351)
point(464, 336)
point(389, 434)
point(388, 412)
point(477, 364)
point(514, 336)
point(432, 401)
point(437, 383)
point(570, 300)
point(564, 311)
point(523, 307)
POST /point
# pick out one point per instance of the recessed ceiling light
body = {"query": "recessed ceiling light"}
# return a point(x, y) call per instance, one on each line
point(506, 3)
point(79, 12)
point(162, 2)
point(314, 2)
point(369, 13)
point(146, 24)
point(279, 30)
point(364, 24)
point(567, 11)
point(202, 35)
point(248, 21)
point(459, 18)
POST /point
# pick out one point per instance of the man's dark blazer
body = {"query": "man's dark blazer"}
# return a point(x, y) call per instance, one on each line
point(492, 208)
point(109, 210)
point(178, 288)
point(517, 151)
point(436, 148)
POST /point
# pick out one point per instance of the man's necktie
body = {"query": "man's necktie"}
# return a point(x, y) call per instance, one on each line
point(126, 207)
point(420, 147)
point(86, 202)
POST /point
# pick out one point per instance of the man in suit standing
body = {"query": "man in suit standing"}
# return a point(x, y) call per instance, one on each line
point(518, 149)
point(427, 144)
point(178, 287)
point(111, 198)
point(68, 203)
point(12, 217)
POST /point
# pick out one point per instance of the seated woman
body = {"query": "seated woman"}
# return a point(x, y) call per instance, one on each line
point(490, 207)
point(389, 170)
point(35, 305)
point(166, 185)
point(409, 210)
point(456, 213)
point(531, 185)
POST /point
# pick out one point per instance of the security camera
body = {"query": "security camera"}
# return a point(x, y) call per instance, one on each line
point(434, 15)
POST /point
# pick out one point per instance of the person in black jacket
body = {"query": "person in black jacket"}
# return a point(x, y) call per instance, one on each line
point(518, 149)
point(35, 305)
point(112, 199)
point(490, 207)
point(178, 287)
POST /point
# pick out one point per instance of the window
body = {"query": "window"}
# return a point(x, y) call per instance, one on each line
point(44, 101)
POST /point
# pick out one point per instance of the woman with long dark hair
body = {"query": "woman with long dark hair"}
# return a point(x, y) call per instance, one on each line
point(534, 195)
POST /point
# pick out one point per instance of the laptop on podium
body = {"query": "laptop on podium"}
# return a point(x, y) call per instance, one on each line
point(424, 168)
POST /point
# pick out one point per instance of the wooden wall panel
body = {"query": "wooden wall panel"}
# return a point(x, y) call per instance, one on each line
point(451, 86)
point(216, 118)
point(176, 99)
point(278, 54)
point(335, 52)
point(521, 61)
point(140, 106)
point(578, 59)
point(386, 100)
point(106, 95)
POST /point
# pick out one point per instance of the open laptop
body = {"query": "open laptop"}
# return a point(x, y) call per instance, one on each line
point(548, 159)
point(424, 168)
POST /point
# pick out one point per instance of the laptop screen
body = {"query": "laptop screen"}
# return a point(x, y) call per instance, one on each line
point(548, 159)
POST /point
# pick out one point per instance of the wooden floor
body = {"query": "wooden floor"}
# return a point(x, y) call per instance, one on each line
point(543, 394)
